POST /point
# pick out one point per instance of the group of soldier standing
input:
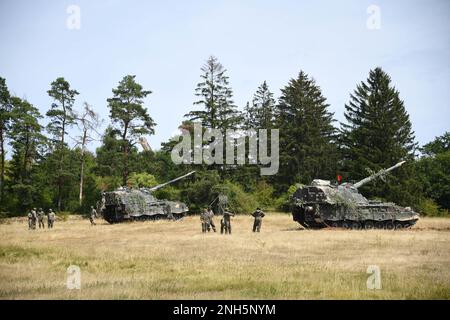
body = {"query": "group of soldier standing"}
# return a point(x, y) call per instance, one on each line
point(38, 216)
point(207, 220)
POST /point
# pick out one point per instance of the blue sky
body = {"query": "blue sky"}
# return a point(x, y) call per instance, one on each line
point(165, 43)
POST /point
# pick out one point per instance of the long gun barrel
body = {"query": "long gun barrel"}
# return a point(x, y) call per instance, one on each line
point(159, 186)
point(376, 175)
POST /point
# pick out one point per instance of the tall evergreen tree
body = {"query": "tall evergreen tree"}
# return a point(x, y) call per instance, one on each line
point(307, 136)
point(377, 134)
point(216, 97)
point(249, 116)
point(5, 118)
point(260, 113)
point(26, 141)
point(61, 113)
point(61, 117)
point(109, 159)
point(128, 113)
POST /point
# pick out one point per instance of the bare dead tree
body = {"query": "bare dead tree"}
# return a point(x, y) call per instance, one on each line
point(88, 122)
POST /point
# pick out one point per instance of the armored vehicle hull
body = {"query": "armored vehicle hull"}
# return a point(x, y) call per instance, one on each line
point(322, 204)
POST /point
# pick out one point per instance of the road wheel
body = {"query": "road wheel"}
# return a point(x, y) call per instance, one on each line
point(398, 226)
point(369, 225)
point(356, 225)
point(389, 226)
point(335, 224)
point(379, 225)
point(346, 225)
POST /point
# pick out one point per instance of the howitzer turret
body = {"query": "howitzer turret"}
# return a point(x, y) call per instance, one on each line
point(125, 204)
point(323, 204)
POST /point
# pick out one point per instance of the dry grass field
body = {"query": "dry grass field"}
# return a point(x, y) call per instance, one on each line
point(174, 260)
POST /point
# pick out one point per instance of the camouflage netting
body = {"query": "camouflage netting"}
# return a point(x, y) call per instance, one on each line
point(343, 195)
point(135, 202)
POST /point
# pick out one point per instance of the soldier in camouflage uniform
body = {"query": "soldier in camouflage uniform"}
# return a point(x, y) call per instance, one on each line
point(204, 218)
point(30, 220)
point(40, 217)
point(225, 223)
point(258, 215)
point(211, 219)
point(34, 218)
point(50, 218)
point(93, 215)
point(168, 212)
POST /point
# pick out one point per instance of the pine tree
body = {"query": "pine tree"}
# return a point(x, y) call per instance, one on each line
point(260, 114)
point(27, 142)
point(131, 117)
point(5, 119)
point(109, 159)
point(249, 116)
point(61, 112)
point(216, 97)
point(307, 136)
point(61, 118)
point(378, 134)
point(257, 115)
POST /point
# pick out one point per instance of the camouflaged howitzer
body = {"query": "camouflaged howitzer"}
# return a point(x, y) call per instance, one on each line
point(126, 204)
point(323, 204)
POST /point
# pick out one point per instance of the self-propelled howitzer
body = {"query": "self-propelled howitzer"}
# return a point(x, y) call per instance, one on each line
point(323, 204)
point(125, 204)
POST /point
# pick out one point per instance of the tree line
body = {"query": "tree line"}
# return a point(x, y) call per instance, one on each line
point(45, 170)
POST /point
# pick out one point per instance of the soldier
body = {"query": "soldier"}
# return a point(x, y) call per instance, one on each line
point(40, 217)
point(102, 203)
point(168, 211)
point(204, 218)
point(211, 219)
point(93, 215)
point(30, 220)
point(34, 218)
point(50, 218)
point(258, 215)
point(225, 222)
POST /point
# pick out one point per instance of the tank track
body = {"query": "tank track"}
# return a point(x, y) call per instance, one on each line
point(299, 216)
point(370, 224)
point(112, 218)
